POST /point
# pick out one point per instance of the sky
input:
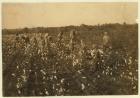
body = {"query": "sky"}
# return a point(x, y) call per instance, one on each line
point(20, 15)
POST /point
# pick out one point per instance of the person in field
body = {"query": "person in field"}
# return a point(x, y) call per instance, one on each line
point(73, 40)
point(40, 43)
point(17, 41)
point(17, 37)
point(27, 44)
point(51, 46)
point(46, 40)
point(60, 41)
point(60, 36)
point(27, 39)
point(106, 41)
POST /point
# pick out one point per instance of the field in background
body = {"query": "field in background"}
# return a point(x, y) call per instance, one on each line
point(123, 35)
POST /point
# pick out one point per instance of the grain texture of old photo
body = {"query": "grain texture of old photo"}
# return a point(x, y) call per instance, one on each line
point(69, 49)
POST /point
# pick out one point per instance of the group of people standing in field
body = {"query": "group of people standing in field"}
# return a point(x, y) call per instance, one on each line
point(49, 47)
point(45, 41)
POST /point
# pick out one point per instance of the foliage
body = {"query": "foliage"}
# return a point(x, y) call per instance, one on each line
point(33, 70)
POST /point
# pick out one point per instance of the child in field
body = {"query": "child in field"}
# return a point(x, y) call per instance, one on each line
point(106, 41)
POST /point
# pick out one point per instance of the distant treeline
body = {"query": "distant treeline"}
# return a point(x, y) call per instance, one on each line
point(93, 28)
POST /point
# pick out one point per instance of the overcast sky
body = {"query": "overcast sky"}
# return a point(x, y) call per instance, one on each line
point(20, 15)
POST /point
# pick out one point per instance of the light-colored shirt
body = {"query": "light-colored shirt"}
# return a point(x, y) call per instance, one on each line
point(106, 39)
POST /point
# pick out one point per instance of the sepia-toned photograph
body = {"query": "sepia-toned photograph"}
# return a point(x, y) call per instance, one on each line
point(69, 49)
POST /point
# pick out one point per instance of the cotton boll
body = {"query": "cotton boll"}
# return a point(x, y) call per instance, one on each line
point(82, 86)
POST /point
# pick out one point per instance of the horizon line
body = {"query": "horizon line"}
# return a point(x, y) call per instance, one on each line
point(69, 25)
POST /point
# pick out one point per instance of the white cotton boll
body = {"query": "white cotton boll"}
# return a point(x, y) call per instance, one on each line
point(44, 77)
point(24, 71)
point(82, 86)
point(17, 85)
point(51, 77)
point(103, 72)
point(134, 87)
point(136, 60)
point(19, 92)
point(30, 70)
point(56, 63)
point(117, 52)
point(111, 73)
point(61, 90)
point(101, 51)
point(91, 52)
point(79, 71)
point(130, 61)
point(121, 75)
point(17, 67)
point(125, 61)
point(135, 78)
point(42, 58)
point(39, 51)
point(42, 71)
point(54, 71)
point(106, 73)
point(130, 73)
point(47, 93)
point(64, 89)
point(56, 89)
point(55, 77)
point(62, 80)
point(103, 61)
point(114, 79)
point(57, 84)
point(24, 78)
point(118, 64)
point(53, 86)
point(18, 79)
point(13, 74)
point(98, 76)
point(84, 77)
point(75, 62)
